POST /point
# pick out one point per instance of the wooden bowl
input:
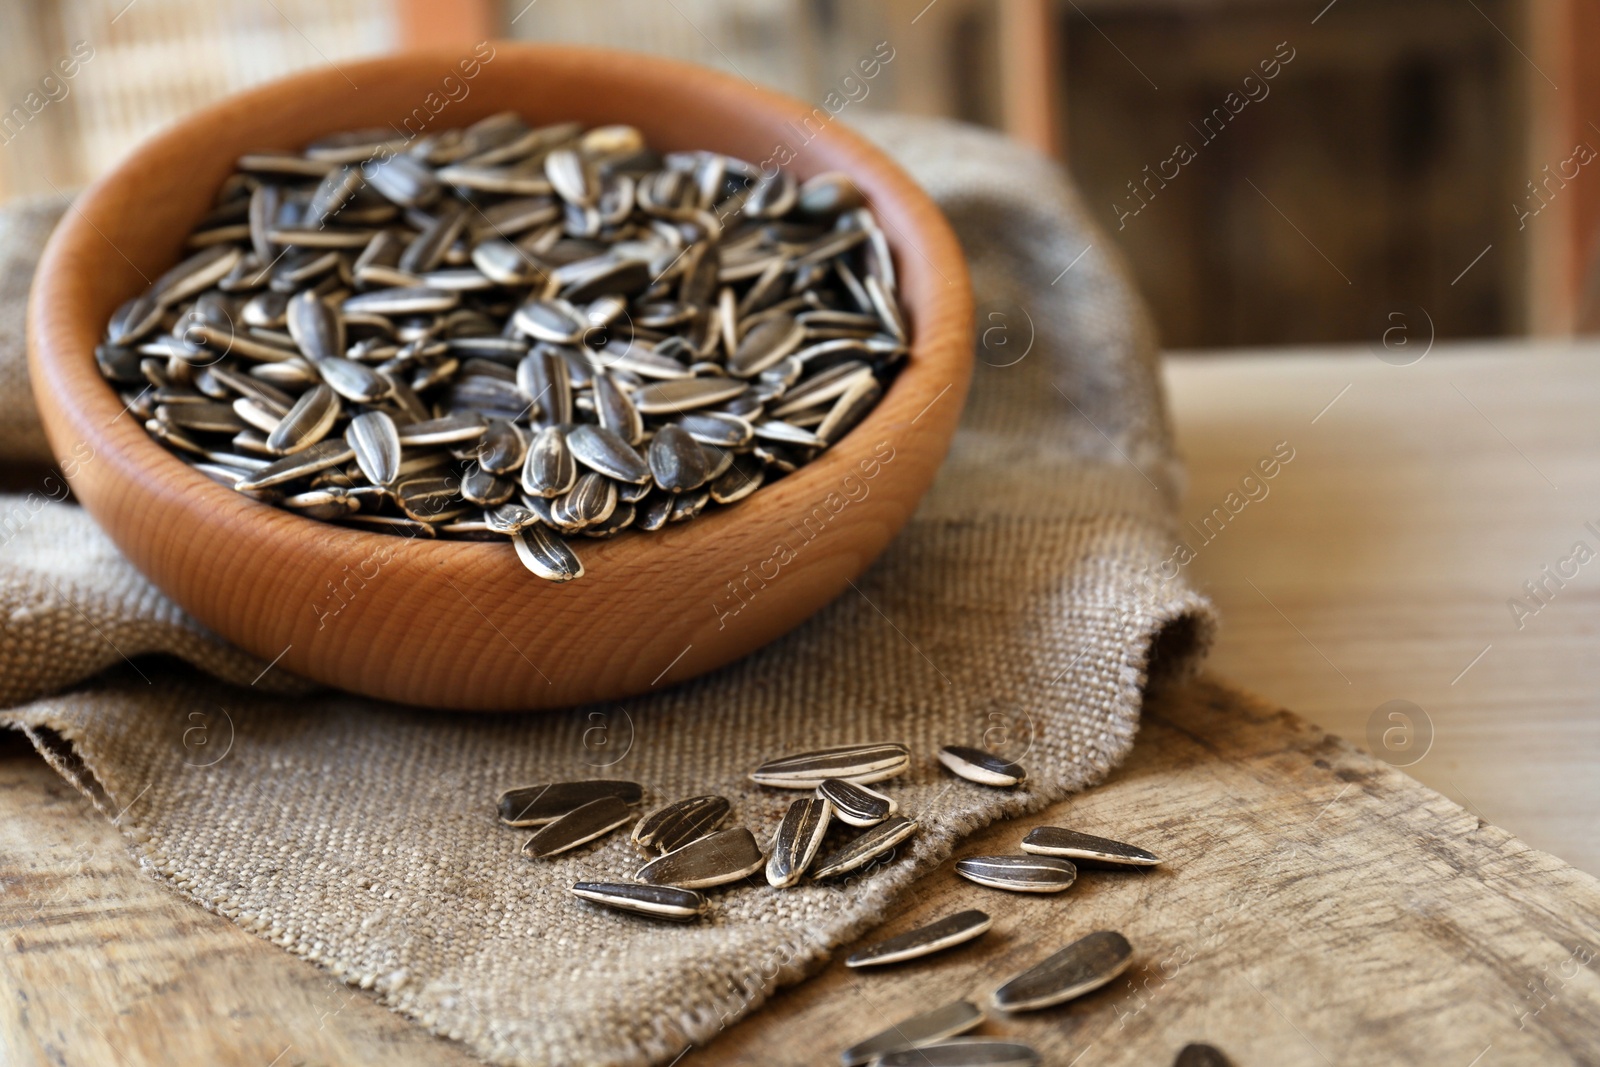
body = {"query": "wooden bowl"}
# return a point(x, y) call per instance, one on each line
point(462, 624)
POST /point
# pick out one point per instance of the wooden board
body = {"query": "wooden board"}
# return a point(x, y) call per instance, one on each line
point(1316, 906)
point(1378, 567)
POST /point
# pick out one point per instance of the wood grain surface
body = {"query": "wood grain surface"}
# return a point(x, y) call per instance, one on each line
point(1315, 907)
point(1380, 565)
point(650, 611)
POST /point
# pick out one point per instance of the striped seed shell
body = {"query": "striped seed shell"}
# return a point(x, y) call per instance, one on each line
point(546, 380)
point(591, 500)
point(307, 461)
point(548, 469)
point(615, 411)
point(675, 825)
point(655, 901)
point(534, 805)
point(976, 765)
point(766, 345)
point(797, 839)
point(307, 422)
point(509, 518)
point(677, 462)
point(1083, 966)
point(376, 442)
point(870, 762)
point(739, 481)
point(354, 381)
point(865, 848)
point(946, 933)
point(925, 1028)
point(401, 300)
point(1085, 849)
point(850, 409)
point(450, 429)
point(602, 450)
point(684, 394)
point(579, 826)
point(716, 859)
point(485, 487)
point(963, 1052)
point(1019, 874)
point(502, 448)
point(856, 804)
point(546, 555)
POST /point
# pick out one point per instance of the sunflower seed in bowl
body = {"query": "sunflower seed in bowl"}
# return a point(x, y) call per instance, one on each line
point(549, 307)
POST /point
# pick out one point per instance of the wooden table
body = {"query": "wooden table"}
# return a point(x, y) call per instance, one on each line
point(1317, 906)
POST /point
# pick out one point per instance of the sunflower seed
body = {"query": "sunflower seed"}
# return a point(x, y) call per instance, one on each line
point(766, 345)
point(450, 429)
point(502, 447)
point(1198, 1054)
point(427, 249)
point(679, 823)
point(199, 271)
point(412, 300)
point(870, 845)
point(656, 901)
point(963, 1052)
point(615, 411)
point(307, 422)
point(482, 487)
point(797, 839)
point(509, 518)
point(1019, 874)
point(546, 555)
point(976, 765)
point(201, 418)
point(1081, 967)
point(354, 381)
point(535, 805)
point(856, 804)
point(546, 380)
point(740, 480)
point(717, 428)
point(858, 763)
point(924, 1029)
point(307, 461)
point(684, 394)
point(602, 450)
point(403, 179)
point(591, 500)
point(550, 320)
point(1085, 850)
point(849, 410)
point(676, 460)
point(579, 826)
point(572, 177)
point(376, 443)
point(719, 858)
point(549, 470)
point(946, 933)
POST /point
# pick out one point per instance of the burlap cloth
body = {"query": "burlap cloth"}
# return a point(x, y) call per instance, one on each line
point(1012, 613)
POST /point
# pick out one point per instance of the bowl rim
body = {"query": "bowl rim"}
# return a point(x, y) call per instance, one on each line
point(62, 339)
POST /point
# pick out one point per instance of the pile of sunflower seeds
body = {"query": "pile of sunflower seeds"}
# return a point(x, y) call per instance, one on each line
point(512, 332)
point(689, 849)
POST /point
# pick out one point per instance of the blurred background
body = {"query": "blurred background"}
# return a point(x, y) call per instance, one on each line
point(1276, 171)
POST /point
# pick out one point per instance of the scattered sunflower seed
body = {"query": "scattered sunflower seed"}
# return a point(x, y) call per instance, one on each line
point(1081, 967)
point(976, 765)
point(856, 763)
point(716, 859)
point(656, 901)
point(963, 1052)
point(1085, 849)
point(1019, 874)
point(669, 828)
point(856, 804)
point(926, 1028)
point(861, 851)
point(579, 826)
point(534, 805)
point(946, 933)
point(797, 839)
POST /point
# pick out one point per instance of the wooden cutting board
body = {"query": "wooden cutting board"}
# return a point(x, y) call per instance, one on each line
point(1315, 907)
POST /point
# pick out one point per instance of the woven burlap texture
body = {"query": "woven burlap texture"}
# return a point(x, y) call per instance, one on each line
point(1010, 613)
